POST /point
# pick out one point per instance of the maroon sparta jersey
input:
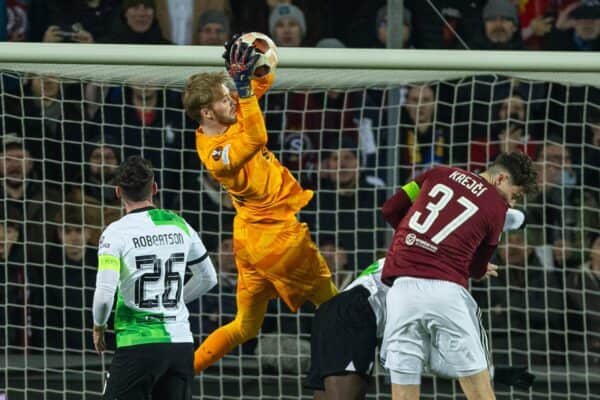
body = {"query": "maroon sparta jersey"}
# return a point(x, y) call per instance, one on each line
point(455, 216)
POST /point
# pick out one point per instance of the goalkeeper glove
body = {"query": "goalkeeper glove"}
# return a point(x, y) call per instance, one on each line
point(518, 377)
point(228, 44)
point(242, 59)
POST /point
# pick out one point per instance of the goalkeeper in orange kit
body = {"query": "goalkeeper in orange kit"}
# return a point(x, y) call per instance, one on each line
point(274, 253)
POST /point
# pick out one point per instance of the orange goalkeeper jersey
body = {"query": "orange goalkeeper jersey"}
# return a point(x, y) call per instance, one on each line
point(261, 188)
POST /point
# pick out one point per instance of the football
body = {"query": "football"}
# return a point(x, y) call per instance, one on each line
point(267, 49)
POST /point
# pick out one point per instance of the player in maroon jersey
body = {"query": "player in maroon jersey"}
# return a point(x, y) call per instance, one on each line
point(447, 225)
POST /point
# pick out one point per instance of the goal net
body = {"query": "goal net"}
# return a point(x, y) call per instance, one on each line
point(353, 131)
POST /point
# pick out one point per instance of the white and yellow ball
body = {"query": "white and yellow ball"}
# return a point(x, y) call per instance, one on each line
point(267, 49)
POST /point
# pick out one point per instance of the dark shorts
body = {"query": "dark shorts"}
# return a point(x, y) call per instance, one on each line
point(151, 371)
point(344, 337)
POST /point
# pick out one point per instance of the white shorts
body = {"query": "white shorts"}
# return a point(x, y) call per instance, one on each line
point(432, 326)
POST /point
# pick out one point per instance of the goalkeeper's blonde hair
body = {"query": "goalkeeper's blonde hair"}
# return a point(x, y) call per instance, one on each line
point(201, 90)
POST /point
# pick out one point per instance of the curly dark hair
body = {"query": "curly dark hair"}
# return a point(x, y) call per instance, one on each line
point(135, 177)
point(521, 169)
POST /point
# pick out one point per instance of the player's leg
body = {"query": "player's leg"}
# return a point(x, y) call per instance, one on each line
point(314, 379)
point(252, 297)
point(319, 395)
point(405, 392)
point(176, 382)
point(346, 387)
point(459, 343)
point(477, 386)
point(343, 343)
point(406, 342)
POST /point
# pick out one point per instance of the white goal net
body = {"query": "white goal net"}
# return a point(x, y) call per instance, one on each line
point(354, 135)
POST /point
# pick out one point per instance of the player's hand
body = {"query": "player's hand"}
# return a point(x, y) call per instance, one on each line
point(492, 270)
point(99, 343)
point(228, 44)
point(242, 59)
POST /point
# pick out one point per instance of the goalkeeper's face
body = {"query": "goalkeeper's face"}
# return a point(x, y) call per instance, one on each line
point(225, 108)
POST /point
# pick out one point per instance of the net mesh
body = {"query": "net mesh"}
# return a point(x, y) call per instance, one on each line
point(354, 139)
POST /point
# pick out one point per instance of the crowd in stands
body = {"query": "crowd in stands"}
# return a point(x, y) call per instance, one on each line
point(439, 24)
point(62, 142)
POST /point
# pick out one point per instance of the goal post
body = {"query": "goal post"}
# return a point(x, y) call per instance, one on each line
point(77, 110)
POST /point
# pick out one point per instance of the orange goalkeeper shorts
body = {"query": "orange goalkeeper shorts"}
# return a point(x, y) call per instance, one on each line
point(280, 259)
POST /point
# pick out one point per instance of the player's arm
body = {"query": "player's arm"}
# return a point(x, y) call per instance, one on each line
point(481, 258)
point(227, 158)
point(514, 219)
point(396, 207)
point(252, 135)
point(107, 280)
point(204, 276)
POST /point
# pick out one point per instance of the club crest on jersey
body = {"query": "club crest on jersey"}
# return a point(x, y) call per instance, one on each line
point(216, 153)
point(410, 239)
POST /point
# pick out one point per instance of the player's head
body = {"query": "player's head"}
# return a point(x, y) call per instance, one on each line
point(513, 174)
point(207, 99)
point(135, 180)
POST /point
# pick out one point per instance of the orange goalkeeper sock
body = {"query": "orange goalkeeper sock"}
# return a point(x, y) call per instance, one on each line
point(216, 345)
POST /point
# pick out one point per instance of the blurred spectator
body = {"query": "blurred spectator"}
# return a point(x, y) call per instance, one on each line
point(525, 305)
point(537, 18)
point(429, 31)
point(577, 28)
point(300, 154)
point(3, 22)
point(584, 298)
point(180, 20)
point(16, 19)
point(381, 27)
point(348, 201)
point(253, 16)
point(422, 140)
point(591, 155)
point(23, 196)
point(213, 29)
point(52, 125)
point(68, 284)
point(219, 305)
point(14, 313)
point(137, 25)
point(511, 138)
point(207, 207)
point(351, 21)
point(563, 214)
point(488, 104)
point(336, 257)
point(81, 21)
point(143, 118)
point(501, 24)
point(97, 194)
point(287, 25)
